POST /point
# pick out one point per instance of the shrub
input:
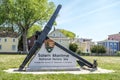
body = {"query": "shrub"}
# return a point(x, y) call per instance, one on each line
point(98, 49)
point(118, 53)
point(73, 47)
point(79, 52)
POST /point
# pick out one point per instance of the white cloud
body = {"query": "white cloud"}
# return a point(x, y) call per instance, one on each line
point(70, 19)
point(94, 22)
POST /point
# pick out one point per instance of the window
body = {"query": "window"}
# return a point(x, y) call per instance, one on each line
point(13, 47)
point(5, 40)
point(83, 40)
point(60, 41)
point(110, 44)
point(0, 47)
point(60, 35)
point(13, 40)
point(29, 41)
point(54, 35)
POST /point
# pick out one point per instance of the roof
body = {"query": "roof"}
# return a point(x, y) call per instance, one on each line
point(108, 41)
point(114, 34)
point(8, 34)
point(58, 36)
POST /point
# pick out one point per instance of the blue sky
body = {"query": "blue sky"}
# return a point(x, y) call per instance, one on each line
point(94, 19)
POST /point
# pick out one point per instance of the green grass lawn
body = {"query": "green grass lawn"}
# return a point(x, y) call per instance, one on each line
point(13, 61)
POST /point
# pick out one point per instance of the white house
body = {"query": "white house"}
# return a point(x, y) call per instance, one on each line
point(60, 38)
point(84, 44)
point(8, 42)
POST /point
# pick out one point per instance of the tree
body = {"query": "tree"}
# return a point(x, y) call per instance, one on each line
point(25, 13)
point(98, 49)
point(68, 33)
point(73, 47)
point(3, 15)
point(32, 30)
point(6, 29)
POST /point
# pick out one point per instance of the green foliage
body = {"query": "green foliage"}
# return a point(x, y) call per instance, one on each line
point(118, 53)
point(3, 14)
point(32, 30)
point(98, 49)
point(68, 33)
point(73, 47)
point(79, 52)
point(23, 14)
point(82, 53)
point(6, 29)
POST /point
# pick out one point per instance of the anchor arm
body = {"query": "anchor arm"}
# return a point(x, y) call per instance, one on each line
point(41, 38)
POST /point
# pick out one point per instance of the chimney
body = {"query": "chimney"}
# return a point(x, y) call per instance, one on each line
point(54, 29)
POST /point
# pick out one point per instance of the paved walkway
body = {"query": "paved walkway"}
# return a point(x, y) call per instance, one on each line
point(81, 71)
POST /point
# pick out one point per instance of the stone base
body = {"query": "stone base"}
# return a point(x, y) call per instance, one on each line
point(53, 69)
point(81, 71)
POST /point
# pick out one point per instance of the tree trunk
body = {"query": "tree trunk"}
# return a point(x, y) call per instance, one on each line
point(25, 44)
